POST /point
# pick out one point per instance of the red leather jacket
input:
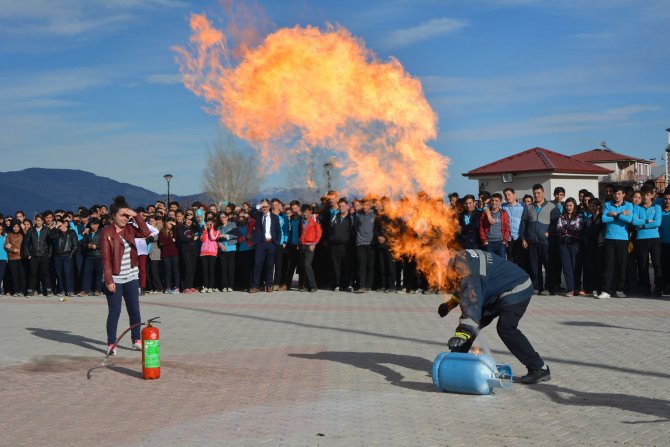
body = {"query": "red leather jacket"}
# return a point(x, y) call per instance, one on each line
point(111, 246)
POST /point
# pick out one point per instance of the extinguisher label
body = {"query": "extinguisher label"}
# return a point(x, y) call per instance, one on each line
point(152, 353)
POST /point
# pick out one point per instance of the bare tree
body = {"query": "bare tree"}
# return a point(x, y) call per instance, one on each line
point(231, 174)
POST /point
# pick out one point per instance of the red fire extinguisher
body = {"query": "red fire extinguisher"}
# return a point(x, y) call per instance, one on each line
point(151, 351)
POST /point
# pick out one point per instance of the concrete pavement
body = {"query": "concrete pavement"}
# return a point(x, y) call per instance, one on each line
point(292, 369)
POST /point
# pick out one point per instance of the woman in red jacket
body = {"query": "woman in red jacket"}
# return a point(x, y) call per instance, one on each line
point(120, 268)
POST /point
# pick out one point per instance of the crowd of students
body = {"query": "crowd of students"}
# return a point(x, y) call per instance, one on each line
point(574, 247)
point(599, 248)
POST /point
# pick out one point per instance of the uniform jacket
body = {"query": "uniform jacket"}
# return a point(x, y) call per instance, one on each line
point(487, 283)
point(111, 246)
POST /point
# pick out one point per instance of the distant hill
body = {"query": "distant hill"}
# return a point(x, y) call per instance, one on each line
point(35, 189)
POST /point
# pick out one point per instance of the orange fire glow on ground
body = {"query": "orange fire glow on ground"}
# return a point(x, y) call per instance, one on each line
point(304, 88)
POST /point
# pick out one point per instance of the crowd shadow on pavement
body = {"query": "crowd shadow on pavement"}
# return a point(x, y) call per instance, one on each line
point(69, 337)
point(377, 362)
point(605, 325)
point(644, 405)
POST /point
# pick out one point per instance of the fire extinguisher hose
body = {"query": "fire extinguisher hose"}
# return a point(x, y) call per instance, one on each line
point(118, 339)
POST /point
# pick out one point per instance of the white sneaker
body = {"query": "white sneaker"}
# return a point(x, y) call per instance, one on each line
point(603, 296)
point(620, 294)
point(595, 294)
point(229, 289)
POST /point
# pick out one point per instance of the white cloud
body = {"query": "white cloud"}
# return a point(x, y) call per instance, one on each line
point(23, 86)
point(68, 18)
point(426, 30)
point(166, 79)
point(552, 124)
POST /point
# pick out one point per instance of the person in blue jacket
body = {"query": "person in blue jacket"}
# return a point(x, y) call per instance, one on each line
point(617, 215)
point(647, 219)
point(492, 287)
point(664, 233)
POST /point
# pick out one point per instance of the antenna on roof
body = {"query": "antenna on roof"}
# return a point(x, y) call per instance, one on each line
point(604, 145)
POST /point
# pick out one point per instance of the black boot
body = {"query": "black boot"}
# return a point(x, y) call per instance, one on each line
point(536, 375)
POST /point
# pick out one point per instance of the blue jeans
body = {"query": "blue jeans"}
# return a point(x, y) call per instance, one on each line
point(569, 250)
point(130, 292)
point(496, 247)
point(63, 267)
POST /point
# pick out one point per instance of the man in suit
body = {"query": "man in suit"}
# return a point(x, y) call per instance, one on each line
point(266, 238)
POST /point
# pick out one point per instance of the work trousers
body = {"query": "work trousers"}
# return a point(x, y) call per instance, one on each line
point(538, 257)
point(508, 330)
point(616, 254)
point(386, 267)
point(39, 273)
point(128, 292)
point(366, 265)
point(569, 251)
point(649, 248)
point(63, 266)
point(171, 267)
point(227, 269)
point(208, 268)
point(264, 262)
point(339, 259)
point(92, 274)
point(290, 263)
point(306, 258)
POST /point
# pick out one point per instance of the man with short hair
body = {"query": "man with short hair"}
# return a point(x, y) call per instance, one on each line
point(617, 215)
point(514, 210)
point(494, 232)
point(539, 219)
point(92, 260)
point(36, 245)
point(278, 210)
point(647, 219)
point(469, 221)
point(340, 241)
point(664, 233)
point(266, 237)
point(364, 226)
point(310, 234)
point(291, 252)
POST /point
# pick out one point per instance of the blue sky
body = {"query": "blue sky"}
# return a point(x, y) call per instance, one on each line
point(92, 84)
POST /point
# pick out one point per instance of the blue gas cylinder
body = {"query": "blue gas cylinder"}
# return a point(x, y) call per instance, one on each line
point(459, 372)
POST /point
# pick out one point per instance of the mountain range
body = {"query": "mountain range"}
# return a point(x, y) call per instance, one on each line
point(34, 190)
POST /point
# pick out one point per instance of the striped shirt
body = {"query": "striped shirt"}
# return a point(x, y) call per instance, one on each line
point(127, 272)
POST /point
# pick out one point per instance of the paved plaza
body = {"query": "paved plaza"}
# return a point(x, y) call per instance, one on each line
point(320, 369)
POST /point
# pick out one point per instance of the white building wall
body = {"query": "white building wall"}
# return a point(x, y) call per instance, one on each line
point(523, 184)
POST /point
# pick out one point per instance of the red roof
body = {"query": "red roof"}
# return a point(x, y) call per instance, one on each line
point(538, 160)
point(603, 155)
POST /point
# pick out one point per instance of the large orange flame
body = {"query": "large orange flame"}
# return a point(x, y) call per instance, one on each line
point(304, 88)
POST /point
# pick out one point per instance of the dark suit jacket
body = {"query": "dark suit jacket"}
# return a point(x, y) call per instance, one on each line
point(259, 231)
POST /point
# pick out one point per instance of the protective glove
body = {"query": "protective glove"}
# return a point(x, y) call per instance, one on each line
point(444, 308)
point(462, 338)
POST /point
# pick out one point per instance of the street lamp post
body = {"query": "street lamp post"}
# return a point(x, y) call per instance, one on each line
point(167, 178)
point(328, 166)
point(667, 153)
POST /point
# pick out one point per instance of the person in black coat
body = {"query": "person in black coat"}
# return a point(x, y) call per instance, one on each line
point(469, 222)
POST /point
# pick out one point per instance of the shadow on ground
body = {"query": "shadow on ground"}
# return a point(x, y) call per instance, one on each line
point(605, 325)
point(644, 405)
point(69, 337)
point(377, 362)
